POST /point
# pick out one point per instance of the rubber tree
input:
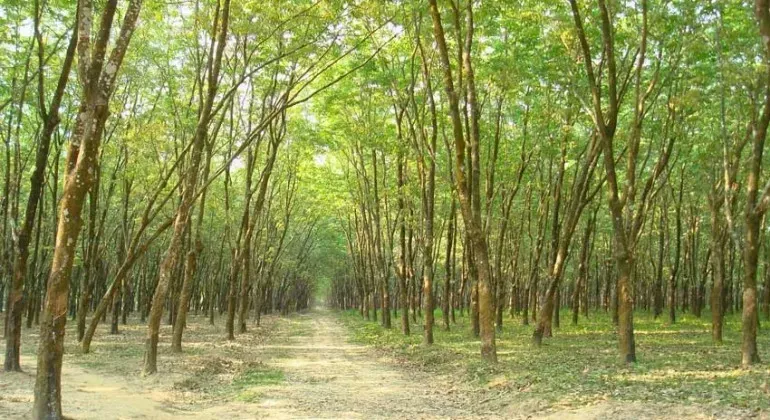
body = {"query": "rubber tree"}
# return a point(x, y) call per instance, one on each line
point(97, 74)
point(628, 199)
point(191, 173)
point(468, 167)
point(50, 117)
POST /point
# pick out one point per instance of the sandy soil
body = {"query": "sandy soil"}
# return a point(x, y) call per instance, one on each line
point(88, 395)
point(106, 384)
point(324, 376)
point(316, 372)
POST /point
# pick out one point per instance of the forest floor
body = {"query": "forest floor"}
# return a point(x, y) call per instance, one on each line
point(301, 366)
point(576, 374)
point(324, 364)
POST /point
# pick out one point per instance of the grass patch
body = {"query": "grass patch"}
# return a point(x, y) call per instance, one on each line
point(678, 363)
point(248, 385)
point(258, 376)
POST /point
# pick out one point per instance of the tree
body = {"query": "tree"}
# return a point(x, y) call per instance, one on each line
point(627, 210)
point(757, 202)
point(189, 187)
point(97, 75)
point(51, 120)
point(468, 168)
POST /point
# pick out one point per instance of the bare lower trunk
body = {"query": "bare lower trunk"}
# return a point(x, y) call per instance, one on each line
point(232, 299)
point(626, 343)
point(184, 302)
point(245, 287)
point(100, 310)
point(525, 307)
point(14, 314)
point(116, 307)
point(449, 267)
point(475, 309)
point(543, 328)
point(750, 318)
point(159, 297)
point(427, 287)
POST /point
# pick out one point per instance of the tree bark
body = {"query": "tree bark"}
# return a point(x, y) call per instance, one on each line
point(82, 161)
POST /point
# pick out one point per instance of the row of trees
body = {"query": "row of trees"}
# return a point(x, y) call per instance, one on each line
point(601, 155)
point(187, 184)
point(229, 158)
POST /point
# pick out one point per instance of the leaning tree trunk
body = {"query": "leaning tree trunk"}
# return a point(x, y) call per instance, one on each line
point(183, 305)
point(171, 259)
point(82, 162)
point(15, 307)
point(184, 299)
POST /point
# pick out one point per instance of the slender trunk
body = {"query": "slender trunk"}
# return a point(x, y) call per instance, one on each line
point(184, 300)
point(766, 294)
point(449, 266)
point(171, 259)
point(626, 343)
point(82, 163)
point(677, 254)
point(469, 197)
point(658, 291)
point(582, 271)
point(190, 270)
point(15, 308)
point(402, 257)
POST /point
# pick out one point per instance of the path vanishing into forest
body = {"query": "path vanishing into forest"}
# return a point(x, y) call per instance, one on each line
point(302, 366)
point(322, 376)
point(328, 377)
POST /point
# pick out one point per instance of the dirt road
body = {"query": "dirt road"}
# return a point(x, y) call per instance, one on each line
point(314, 373)
point(327, 377)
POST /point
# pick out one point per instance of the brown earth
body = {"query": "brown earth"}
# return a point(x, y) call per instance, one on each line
point(296, 367)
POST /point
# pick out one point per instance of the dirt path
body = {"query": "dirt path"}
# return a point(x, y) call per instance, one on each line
point(327, 377)
point(297, 367)
point(305, 368)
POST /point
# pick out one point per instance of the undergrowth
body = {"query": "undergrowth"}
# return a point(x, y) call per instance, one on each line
point(677, 363)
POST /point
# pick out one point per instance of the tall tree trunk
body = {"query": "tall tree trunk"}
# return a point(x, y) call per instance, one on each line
point(50, 118)
point(449, 266)
point(402, 256)
point(658, 289)
point(82, 161)
point(756, 203)
point(677, 251)
point(470, 204)
point(171, 259)
point(190, 270)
